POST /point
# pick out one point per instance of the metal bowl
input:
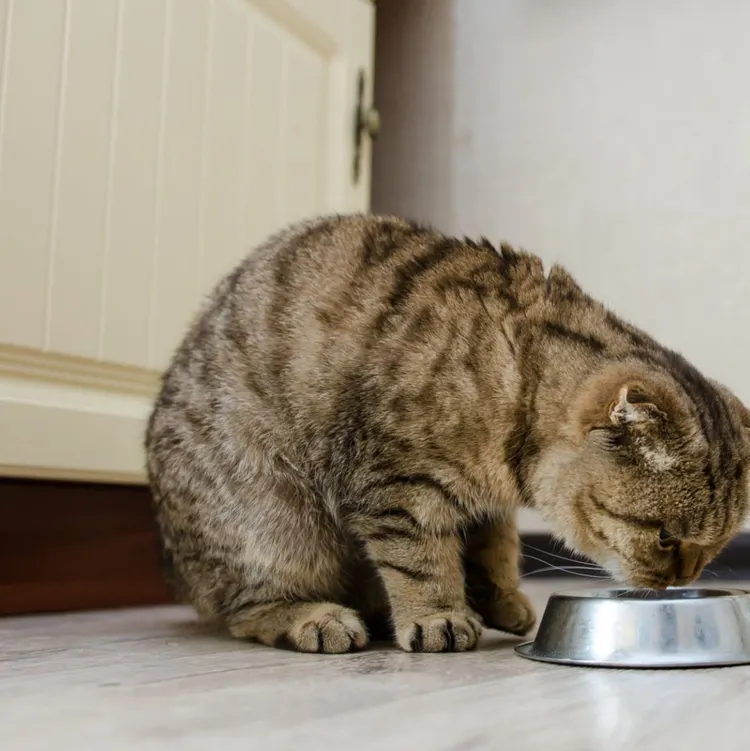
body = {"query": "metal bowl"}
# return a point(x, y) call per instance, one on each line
point(624, 628)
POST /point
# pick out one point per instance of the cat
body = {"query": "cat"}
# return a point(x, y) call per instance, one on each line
point(342, 440)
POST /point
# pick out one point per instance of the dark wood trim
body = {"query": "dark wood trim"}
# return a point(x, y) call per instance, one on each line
point(78, 546)
point(732, 564)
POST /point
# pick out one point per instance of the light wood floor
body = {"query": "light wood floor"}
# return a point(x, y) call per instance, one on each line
point(155, 679)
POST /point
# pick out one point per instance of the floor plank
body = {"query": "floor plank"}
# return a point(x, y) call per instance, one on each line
point(155, 679)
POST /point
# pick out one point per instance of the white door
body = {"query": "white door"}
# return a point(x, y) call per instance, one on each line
point(145, 146)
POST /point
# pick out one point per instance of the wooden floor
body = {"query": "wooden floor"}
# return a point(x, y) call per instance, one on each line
point(155, 679)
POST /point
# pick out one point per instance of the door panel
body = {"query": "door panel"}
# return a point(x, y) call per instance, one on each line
point(145, 147)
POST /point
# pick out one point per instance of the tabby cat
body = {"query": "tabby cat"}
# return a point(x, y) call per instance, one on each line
point(342, 440)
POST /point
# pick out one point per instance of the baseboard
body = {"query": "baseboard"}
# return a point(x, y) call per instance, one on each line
point(732, 564)
point(76, 546)
point(68, 546)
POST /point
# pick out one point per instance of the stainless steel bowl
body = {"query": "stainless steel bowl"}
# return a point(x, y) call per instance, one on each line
point(624, 628)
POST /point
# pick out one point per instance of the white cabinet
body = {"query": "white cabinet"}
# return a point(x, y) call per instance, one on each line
point(145, 146)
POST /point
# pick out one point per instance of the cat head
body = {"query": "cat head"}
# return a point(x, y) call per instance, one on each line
point(650, 475)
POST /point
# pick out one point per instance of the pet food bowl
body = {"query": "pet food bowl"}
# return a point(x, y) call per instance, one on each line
point(630, 628)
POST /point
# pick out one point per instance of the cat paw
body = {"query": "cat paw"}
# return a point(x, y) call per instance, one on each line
point(305, 627)
point(451, 631)
point(509, 611)
point(329, 629)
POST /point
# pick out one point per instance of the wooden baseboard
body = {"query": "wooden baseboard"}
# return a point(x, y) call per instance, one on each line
point(78, 546)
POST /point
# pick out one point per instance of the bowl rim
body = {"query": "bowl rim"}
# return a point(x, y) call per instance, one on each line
point(650, 596)
point(526, 650)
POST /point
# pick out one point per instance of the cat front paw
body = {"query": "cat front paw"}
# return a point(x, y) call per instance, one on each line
point(509, 611)
point(451, 631)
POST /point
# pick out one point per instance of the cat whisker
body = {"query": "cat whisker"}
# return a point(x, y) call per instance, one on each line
point(572, 571)
point(577, 564)
point(594, 572)
point(561, 557)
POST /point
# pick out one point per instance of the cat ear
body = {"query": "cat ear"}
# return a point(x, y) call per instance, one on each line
point(632, 407)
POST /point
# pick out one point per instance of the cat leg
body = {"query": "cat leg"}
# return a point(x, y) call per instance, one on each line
point(269, 561)
point(366, 594)
point(355, 611)
point(419, 561)
point(491, 560)
point(304, 626)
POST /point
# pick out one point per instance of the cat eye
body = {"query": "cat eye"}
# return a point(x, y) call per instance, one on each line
point(666, 539)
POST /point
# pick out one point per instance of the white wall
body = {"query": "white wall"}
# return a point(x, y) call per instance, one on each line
point(611, 136)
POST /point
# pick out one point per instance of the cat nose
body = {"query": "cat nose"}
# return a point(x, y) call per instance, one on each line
point(689, 562)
